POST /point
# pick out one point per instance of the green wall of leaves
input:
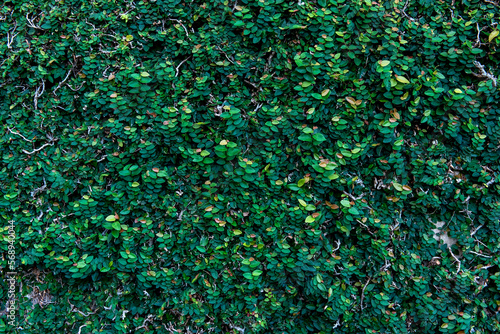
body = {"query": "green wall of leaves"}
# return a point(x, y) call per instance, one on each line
point(247, 166)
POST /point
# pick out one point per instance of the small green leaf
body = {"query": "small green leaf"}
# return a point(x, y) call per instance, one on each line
point(397, 186)
point(256, 273)
point(402, 79)
point(353, 211)
point(309, 219)
point(345, 203)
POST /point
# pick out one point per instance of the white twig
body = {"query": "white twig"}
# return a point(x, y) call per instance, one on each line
point(10, 37)
point(79, 329)
point(218, 48)
point(38, 149)
point(489, 257)
point(490, 182)
point(477, 229)
point(148, 319)
point(239, 329)
point(404, 11)
point(37, 190)
point(66, 78)
point(338, 246)
point(352, 197)
point(31, 24)
point(74, 309)
point(478, 39)
point(76, 89)
point(17, 133)
point(178, 21)
point(487, 267)
point(182, 62)
point(39, 92)
point(484, 74)
point(363, 291)
point(456, 259)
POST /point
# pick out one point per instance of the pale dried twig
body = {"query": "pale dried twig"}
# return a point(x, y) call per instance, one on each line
point(178, 66)
point(64, 80)
point(180, 22)
point(39, 92)
point(363, 291)
point(17, 133)
point(483, 73)
point(456, 259)
point(404, 11)
point(478, 39)
point(38, 149)
point(11, 36)
point(478, 254)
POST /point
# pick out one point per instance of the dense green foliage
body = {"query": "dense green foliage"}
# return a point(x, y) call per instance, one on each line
point(263, 166)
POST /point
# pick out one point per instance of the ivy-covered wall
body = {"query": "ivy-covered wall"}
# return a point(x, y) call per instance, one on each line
point(250, 166)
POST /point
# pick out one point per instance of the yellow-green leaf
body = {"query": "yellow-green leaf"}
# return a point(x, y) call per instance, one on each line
point(309, 219)
point(397, 186)
point(402, 80)
point(306, 84)
point(384, 63)
point(110, 218)
point(493, 34)
point(350, 100)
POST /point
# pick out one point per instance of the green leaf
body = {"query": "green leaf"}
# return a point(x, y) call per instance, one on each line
point(397, 186)
point(116, 225)
point(257, 273)
point(310, 219)
point(353, 211)
point(345, 202)
point(319, 137)
point(402, 79)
